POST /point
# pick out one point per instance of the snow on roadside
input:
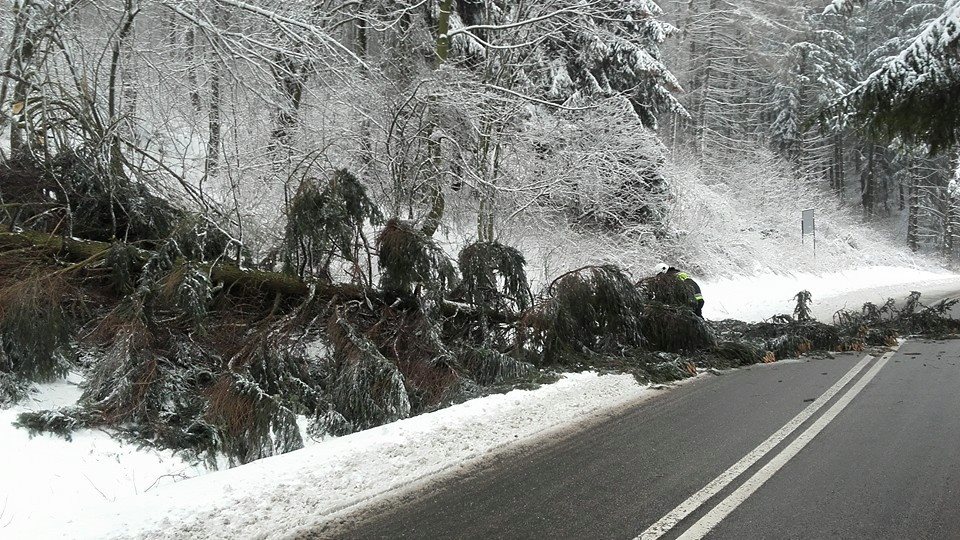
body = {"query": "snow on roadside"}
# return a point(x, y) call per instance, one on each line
point(280, 493)
point(755, 298)
point(47, 475)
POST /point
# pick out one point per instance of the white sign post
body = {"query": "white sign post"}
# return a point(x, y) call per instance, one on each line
point(808, 225)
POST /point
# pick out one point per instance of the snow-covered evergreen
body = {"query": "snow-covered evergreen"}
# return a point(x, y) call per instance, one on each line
point(615, 51)
point(906, 95)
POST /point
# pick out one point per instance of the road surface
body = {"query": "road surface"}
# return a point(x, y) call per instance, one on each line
point(851, 447)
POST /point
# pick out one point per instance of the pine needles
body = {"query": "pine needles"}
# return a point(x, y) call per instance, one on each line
point(326, 218)
point(802, 311)
point(667, 289)
point(409, 258)
point(789, 338)
point(674, 329)
point(189, 291)
point(494, 276)
point(121, 260)
point(596, 309)
point(35, 330)
point(123, 385)
point(13, 388)
point(254, 424)
point(736, 354)
point(488, 367)
point(78, 192)
point(62, 422)
point(368, 389)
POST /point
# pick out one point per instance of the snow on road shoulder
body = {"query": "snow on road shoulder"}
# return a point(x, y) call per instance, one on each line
point(294, 489)
point(756, 298)
point(47, 475)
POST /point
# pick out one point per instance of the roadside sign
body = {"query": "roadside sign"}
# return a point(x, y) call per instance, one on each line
point(808, 225)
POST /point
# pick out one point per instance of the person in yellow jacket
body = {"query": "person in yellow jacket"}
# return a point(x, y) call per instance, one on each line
point(664, 268)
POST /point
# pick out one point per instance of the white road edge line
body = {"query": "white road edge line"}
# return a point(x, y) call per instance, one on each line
point(723, 509)
point(687, 507)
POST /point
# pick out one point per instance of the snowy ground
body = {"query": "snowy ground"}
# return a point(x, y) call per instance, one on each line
point(760, 297)
point(95, 487)
point(294, 489)
point(48, 475)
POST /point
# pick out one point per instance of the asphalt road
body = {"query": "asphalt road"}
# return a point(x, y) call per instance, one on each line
point(879, 457)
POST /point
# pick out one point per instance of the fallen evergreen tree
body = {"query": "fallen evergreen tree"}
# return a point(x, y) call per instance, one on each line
point(182, 348)
point(212, 359)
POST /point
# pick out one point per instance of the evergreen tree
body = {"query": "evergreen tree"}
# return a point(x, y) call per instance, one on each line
point(615, 50)
point(908, 94)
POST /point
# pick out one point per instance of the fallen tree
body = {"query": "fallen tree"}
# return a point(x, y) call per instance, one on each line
point(185, 349)
point(88, 252)
point(82, 253)
point(211, 358)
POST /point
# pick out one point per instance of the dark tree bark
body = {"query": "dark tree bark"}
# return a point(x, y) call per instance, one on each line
point(867, 181)
point(22, 46)
point(214, 120)
point(190, 54)
point(913, 219)
point(235, 279)
point(290, 76)
point(432, 221)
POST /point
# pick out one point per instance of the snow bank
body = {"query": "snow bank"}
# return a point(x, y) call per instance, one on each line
point(48, 475)
point(296, 489)
point(756, 298)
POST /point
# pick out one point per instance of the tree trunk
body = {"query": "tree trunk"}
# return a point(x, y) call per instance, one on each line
point(443, 27)
point(235, 279)
point(838, 160)
point(291, 81)
point(950, 218)
point(913, 218)
point(366, 137)
point(885, 179)
point(214, 126)
point(21, 56)
point(705, 87)
point(952, 214)
point(190, 54)
point(214, 121)
point(432, 221)
point(867, 181)
point(116, 76)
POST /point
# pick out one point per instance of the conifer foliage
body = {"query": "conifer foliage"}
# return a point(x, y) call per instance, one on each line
point(494, 276)
point(35, 329)
point(908, 95)
point(326, 219)
point(615, 49)
point(802, 311)
point(408, 258)
point(596, 308)
point(369, 389)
